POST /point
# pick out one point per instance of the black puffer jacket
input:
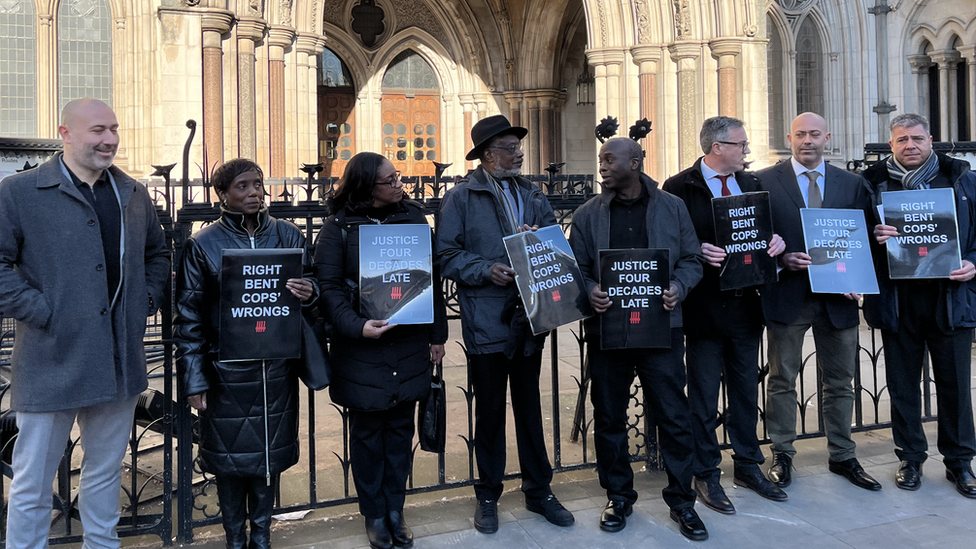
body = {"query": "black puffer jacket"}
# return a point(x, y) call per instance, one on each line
point(232, 440)
point(371, 374)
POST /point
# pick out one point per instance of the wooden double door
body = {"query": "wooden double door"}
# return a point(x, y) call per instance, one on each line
point(411, 132)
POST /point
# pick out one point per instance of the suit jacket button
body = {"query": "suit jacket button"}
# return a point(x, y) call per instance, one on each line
point(91, 222)
point(99, 267)
point(104, 311)
point(394, 374)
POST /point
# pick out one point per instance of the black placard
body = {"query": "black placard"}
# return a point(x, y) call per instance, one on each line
point(260, 319)
point(927, 245)
point(548, 278)
point(840, 254)
point(636, 280)
point(395, 273)
point(744, 228)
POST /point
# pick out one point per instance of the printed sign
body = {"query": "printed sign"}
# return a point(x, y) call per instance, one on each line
point(548, 278)
point(744, 228)
point(840, 252)
point(260, 319)
point(396, 280)
point(927, 245)
point(636, 280)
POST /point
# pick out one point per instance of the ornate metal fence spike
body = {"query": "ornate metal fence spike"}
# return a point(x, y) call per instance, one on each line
point(606, 129)
point(640, 129)
point(310, 170)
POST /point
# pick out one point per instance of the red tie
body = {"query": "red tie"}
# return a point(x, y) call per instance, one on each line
point(725, 187)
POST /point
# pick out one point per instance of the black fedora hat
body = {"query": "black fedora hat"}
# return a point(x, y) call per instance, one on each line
point(490, 127)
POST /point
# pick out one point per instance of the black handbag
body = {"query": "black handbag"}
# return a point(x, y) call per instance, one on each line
point(315, 372)
point(432, 416)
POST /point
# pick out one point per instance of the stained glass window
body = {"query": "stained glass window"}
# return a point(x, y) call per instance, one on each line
point(409, 71)
point(333, 73)
point(84, 51)
point(774, 79)
point(809, 69)
point(18, 52)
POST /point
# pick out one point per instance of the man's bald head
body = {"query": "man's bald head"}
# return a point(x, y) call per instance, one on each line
point(89, 130)
point(808, 139)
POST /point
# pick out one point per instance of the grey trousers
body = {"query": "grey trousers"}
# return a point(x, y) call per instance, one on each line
point(836, 356)
point(105, 430)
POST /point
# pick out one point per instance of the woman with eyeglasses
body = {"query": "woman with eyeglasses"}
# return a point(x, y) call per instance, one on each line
point(379, 370)
point(248, 409)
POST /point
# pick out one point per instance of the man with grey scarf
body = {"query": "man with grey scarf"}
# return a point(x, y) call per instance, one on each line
point(491, 203)
point(939, 313)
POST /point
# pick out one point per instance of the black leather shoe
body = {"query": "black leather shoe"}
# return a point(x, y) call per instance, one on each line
point(711, 493)
point(552, 510)
point(909, 475)
point(614, 517)
point(755, 481)
point(690, 524)
point(378, 535)
point(399, 531)
point(781, 470)
point(855, 473)
point(486, 516)
point(964, 480)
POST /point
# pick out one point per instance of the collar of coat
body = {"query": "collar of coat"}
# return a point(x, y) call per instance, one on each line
point(235, 221)
point(649, 184)
point(49, 175)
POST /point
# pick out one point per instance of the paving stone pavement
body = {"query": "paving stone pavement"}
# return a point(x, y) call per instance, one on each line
point(824, 511)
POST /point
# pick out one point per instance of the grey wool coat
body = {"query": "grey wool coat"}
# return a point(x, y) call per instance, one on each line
point(71, 349)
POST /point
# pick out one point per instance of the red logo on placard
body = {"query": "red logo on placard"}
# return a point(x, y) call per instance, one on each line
point(635, 317)
point(747, 259)
point(841, 267)
point(260, 327)
point(923, 251)
point(556, 296)
point(396, 292)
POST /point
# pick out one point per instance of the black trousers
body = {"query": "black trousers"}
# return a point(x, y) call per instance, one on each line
point(731, 353)
point(662, 377)
point(949, 351)
point(380, 444)
point(491, 374)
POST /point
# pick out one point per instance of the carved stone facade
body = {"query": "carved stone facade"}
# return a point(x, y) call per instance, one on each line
point(250, 77)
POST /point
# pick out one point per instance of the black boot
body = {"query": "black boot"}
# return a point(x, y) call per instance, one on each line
point(260, 503)
point(401, 533)
point(232, 498)
point(377, 534)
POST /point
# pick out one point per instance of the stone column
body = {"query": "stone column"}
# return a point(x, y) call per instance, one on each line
point(215, 23)
point(532, 141)
point(307, 45)
point(685, 55)
point(969, 53)
point(514, 100)
point(725, 50)
point(646, 58)
point(606, 65)
point(249, 31)
point(48, 113)
point(947, 59)
point(467, 105)
point(547, 132)
point(920, 69)
point(279, 39)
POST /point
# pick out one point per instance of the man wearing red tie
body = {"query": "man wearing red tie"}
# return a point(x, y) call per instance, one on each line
point(791, 308)
point(722, 328)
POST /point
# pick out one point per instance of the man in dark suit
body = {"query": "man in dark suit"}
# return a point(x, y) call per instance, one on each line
point(722, 329)
point(790, 308)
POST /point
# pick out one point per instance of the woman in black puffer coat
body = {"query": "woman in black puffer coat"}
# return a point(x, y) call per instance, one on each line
point(230, 396)
point(379, 370)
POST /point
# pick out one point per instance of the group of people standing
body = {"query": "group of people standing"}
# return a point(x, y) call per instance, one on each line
point(77, 226)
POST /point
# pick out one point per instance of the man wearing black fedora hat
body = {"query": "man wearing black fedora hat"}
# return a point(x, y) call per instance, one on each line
point(491, 203)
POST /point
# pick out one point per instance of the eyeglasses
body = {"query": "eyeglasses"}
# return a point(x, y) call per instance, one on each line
point(511, 150)
point(393, 182)
point(743, 144)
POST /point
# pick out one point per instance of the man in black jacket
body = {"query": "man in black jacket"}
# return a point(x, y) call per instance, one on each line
point(633, 213)
point(938, 313)
point(476, 215)
point(723, 329)
point(791, 308)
